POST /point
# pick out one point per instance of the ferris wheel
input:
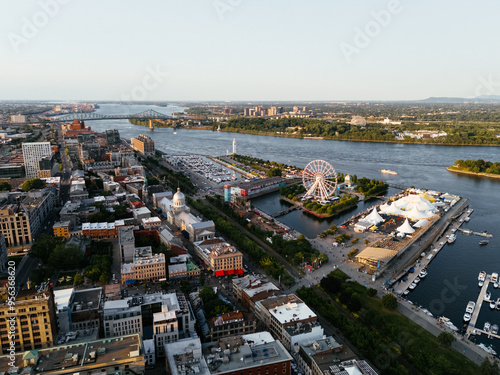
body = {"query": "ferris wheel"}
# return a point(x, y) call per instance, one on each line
point(320, 179)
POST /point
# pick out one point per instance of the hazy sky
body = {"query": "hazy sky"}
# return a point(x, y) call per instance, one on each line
point(248, 49)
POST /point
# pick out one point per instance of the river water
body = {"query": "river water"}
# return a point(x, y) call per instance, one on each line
point(452, 279)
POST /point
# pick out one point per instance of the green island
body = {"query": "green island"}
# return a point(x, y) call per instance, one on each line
point(476, 167)
point(391, 341)
point(457, 132)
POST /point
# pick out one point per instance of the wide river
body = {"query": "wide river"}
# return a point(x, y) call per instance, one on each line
point(421, 166)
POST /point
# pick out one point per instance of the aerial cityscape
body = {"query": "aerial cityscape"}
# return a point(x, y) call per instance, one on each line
point(245, 188)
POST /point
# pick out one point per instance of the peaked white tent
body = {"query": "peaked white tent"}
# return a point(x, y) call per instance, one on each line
point(390, 209)
point(405, 228)
point(374, 217)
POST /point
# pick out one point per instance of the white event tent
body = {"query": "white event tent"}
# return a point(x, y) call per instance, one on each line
point(374, 217)
point(405, 228)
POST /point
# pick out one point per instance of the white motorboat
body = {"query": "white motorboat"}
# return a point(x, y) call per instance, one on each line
point(487, 326)
point(487, 296)
point(494, 329)
point(451, 326)
point(388, 171)
point(494, 277)
point(467, 219)
point(498, 303)
point(481, 283)
point(412, 286)
point(452, 238)
point(482, 276)
point(417, 280)
point(406, 292)
point(467, 317)
point(493, 304)
point(489, 349)
point(470, 307)
point(425, 311)
point(423, 273)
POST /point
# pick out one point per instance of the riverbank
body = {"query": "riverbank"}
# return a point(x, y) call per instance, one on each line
point(481, 174)
point(281, 135)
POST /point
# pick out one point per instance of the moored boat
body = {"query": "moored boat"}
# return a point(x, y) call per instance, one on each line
point(470, 307)
point(388, 171)
point(412, 286)
point(423, 273)
point(487, 296)
point(493, 304)
point(482, 276)
point(452, 238)
point(494, 329)
point(498, 303)
point(467, 317)
point(487, 326)
point(480, 283)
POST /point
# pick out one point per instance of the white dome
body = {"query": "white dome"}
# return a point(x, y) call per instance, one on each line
point(179, 200)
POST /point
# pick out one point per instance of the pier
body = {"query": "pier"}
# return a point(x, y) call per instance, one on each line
point(477, 309)
point(436, 243)
point(286, 211)
point(469, 232)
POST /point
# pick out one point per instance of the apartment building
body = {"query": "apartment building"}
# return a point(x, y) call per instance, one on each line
point(143, 144)
point(22, 217)
point(145, 266)
point(220, 257)
point(35, 324)
point(32, 153)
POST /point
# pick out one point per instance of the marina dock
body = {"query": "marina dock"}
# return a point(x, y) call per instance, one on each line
point(469, 232)
point(477, 309)
point(423, 262)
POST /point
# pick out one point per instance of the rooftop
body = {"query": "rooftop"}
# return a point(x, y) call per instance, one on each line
point(80, 357)
point(237, 353)
point(86, 299)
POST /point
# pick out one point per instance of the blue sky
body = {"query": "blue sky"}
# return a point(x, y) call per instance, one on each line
point(247, 49)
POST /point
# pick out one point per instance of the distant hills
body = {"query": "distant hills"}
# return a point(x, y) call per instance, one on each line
point(454, 100)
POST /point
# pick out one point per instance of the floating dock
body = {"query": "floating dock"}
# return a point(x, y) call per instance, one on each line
point(469, 232)
point(477, 309)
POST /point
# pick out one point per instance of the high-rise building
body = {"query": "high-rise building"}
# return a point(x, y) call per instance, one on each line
point(143, 144)
point(35, 323)
point(22, 220)
point(32, 154)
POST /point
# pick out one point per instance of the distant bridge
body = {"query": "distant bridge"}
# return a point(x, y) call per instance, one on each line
point(92, 116)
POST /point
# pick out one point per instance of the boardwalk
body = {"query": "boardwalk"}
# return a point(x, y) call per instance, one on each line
point(477, 309)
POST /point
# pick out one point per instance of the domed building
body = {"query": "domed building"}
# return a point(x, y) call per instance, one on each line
point(178, 214)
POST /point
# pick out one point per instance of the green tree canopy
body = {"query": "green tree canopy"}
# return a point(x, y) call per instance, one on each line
point(389, 301)
point(34, 183)
point(446, 339)
point(43, 247)
point(5, 186)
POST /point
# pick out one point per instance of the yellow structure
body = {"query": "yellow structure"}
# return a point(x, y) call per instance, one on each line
point(35, 320)
point(143, 144)
point(61, 229)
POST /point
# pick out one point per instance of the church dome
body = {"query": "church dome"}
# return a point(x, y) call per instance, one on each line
point(179, 200)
